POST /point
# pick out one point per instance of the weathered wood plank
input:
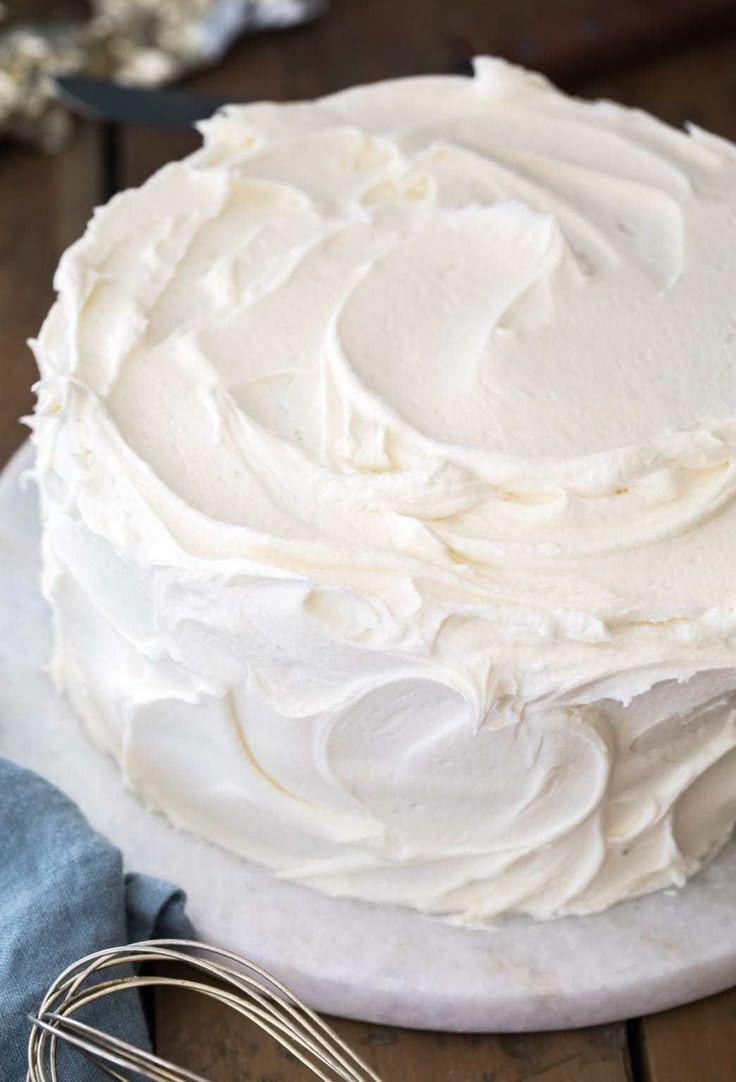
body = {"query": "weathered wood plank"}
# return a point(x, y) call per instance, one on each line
point(26, 265)
point(572, 39)
point(696, 1043)
point(44, 204)
point(698, 85)
point(206, 1038)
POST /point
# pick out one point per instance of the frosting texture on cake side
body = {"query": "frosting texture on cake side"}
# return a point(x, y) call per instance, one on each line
point(387, 456)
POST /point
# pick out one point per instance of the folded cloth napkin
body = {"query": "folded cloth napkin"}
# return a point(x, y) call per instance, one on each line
point(63, 895)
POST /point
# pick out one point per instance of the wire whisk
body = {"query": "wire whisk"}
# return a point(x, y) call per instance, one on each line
point(241, 985)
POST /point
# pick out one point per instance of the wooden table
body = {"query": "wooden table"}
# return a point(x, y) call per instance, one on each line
point(674, 57)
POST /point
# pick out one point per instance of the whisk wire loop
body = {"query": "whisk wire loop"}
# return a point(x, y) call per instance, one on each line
point(100, 1046)
point(241, 985)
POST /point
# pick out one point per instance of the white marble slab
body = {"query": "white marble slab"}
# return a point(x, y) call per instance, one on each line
point(377, 963)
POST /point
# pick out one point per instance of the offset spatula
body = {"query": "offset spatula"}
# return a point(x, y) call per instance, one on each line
point(103, 99)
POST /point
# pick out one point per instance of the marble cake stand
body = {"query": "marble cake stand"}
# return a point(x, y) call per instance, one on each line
point(377, 963)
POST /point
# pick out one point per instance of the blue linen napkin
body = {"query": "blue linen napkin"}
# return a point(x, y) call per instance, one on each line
point(63, 895)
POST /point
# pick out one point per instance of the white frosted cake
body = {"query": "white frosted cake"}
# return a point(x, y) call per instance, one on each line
point(386, 454)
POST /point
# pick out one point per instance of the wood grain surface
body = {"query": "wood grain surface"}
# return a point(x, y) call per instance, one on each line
point(229, 1052)
point(674, 57)
point(696, 1043)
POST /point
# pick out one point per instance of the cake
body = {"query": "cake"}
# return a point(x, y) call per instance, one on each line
point(385, 448)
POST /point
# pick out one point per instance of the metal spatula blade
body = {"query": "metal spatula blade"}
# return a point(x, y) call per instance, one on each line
point(102, 99)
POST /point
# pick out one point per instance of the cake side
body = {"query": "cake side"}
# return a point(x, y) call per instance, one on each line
point(385, 449)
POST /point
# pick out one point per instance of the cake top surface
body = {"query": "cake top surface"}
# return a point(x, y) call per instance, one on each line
point(468, 329)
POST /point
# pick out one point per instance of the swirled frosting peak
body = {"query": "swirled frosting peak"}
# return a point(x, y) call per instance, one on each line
point(387, 451)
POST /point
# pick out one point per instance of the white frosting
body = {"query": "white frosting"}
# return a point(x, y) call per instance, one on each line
point(386, 449)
